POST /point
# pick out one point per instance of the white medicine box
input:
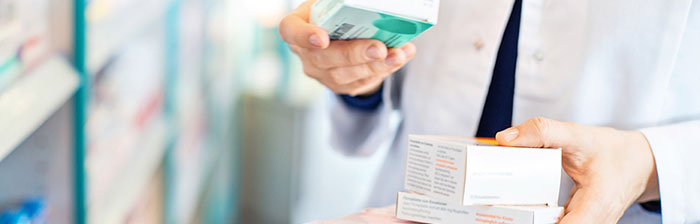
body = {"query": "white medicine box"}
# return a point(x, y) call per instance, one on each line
point(466, 172)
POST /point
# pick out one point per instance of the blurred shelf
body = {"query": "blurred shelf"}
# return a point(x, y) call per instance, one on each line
point(124, 192)
point(106, 38)
point(32, 99)
point(206, 175)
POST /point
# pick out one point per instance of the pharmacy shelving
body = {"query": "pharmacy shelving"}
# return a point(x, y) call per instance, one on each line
point(37, 83)
point(124, 134)
point(125, 190)
point(112, 24)
point(41, 167)
point(32, 99)
point(108, 33)
point(59, 98)
point(203, 83)
point(24, 71)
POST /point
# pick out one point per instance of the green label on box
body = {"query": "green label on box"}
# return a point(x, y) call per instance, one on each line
point(396, 31)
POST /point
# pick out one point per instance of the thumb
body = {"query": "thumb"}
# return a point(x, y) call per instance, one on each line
point(295, 29)
point(538, 133)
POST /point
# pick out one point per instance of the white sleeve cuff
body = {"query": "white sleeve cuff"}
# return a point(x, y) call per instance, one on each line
point(676, 154)
point(358, 133)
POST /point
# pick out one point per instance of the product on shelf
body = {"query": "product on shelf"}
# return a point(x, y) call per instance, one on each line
point(23, 37)
point(126, 102)
point(28, 211)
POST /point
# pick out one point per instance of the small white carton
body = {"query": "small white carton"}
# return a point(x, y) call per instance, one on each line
point(420, 208)
point(466, 172)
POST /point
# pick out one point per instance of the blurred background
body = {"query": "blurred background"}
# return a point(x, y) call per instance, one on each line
point(164, 111)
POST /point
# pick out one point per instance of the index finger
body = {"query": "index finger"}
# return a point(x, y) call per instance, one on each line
point(295, 29)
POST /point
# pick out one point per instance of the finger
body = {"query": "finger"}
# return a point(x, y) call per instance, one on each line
point(410, 50)
point(296, 49)
point(397, 59)
point(366, 85)
point(585, 207)
point(571, 195)
point(347, 75)
point(347, 53)
point(312, 71)
point(355, 88)
point(401, 56)
point(295, 29)
point(539, 133)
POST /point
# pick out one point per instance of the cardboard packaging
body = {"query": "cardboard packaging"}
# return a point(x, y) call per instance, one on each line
point(394, 22)
point(420, 208)
point(467, 172)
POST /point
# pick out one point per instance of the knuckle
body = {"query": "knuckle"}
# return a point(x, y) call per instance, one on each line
point(349, 54)
point(374, 69)
point(367, 81)
point(380, 69)
point(314, 58)
point(577, 160)
point(296, 49)
point(336, 77)
point(540, 124)
point(310, 72)
point(363, 82)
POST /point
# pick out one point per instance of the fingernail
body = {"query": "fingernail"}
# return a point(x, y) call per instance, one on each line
point(315, 40)
point(373, 53)
point(509, 134)
point(393, 61)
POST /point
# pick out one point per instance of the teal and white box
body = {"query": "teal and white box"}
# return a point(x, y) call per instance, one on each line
point(394, 22)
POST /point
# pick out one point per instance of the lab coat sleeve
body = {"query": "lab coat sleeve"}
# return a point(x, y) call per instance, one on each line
point(677, 154)
point(360, 133)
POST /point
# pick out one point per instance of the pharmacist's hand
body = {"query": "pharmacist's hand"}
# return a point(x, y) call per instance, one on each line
point(611, 169)
point(355, 67)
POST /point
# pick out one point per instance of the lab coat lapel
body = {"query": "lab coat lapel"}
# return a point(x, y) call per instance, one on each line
point(454, 99)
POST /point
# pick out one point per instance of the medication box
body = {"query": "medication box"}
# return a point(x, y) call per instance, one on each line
point(420, 208)
point(467, 172)
point(394, 22)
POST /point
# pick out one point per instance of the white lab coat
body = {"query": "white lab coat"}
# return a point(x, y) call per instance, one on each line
point(627, 64)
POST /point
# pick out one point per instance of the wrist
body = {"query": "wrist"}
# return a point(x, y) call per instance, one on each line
point(368, 102)
point(651, 189)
